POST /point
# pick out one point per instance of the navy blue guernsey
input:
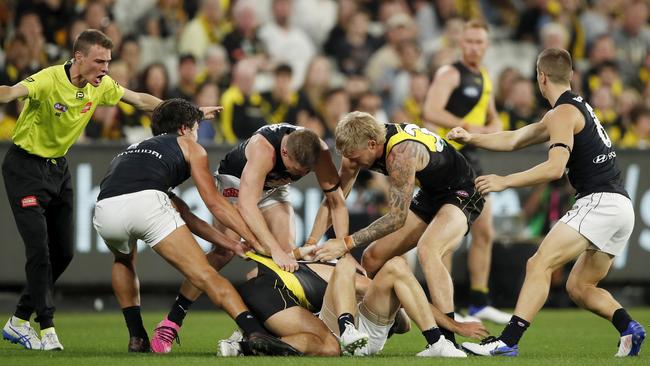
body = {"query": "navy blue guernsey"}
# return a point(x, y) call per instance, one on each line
point(155, 163)
point(235, 161)
point(592, 163)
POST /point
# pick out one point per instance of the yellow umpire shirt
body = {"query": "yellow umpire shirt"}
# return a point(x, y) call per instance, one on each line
point(56, 112)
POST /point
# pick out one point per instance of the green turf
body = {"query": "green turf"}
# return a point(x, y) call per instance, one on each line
point(567, 337)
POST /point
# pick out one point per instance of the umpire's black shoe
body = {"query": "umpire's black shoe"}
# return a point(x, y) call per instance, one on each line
point(137, 344)
point(261, 344)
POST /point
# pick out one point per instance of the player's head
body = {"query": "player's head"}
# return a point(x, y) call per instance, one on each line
point(92, 53)
point(360, 138)
point(553, 68)
point(176, 116)
point(474, 42)
point(301, 151)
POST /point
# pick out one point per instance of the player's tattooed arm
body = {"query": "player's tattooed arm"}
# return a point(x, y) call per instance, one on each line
point(404, 160)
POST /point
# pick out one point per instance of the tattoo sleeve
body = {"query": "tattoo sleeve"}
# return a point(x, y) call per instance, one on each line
point(402, 164)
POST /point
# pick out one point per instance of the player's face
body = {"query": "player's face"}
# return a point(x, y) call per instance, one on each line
point(474, 44)
point(364, 158)
point(94, 65)
point(293, 167)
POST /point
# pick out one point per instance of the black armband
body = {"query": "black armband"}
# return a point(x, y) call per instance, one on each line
point(559, 144)
point(336, 186)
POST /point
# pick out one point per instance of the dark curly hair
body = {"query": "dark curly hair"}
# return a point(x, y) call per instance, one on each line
point(173, 114)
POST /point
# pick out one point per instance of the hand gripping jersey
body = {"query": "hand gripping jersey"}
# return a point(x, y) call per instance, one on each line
point(447, 168)
point(235, 161)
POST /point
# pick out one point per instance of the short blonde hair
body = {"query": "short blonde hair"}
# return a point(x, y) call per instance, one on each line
point(355, 130)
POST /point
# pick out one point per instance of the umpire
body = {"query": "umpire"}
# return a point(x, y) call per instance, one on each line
point(59, 101)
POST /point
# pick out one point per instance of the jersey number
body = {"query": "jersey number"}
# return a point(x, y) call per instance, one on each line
point(601, 131)
point(425, 135)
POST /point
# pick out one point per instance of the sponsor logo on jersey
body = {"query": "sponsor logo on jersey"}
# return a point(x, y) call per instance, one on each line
point(462, 194)
point(87, 107)
point(231, 192)
point(604, 157)
point(471, 91)
point(79, 95)
point(30, 79)
point(28, 201)
point(60, 107)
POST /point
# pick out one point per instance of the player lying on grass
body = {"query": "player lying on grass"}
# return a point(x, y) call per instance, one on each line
point(286, 302)
point(134, 204)
point(255, 176)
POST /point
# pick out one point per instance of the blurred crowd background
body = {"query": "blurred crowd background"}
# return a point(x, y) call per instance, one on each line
point(308, 62)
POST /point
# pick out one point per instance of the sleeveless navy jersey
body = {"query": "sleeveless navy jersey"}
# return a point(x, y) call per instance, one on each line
point(447, 168)
point(155, 163)
point(235, 161)
point(592, 163)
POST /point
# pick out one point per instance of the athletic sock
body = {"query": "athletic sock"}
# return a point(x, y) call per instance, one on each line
point(46, 323)
point(344, 319)
point(621, 320)
point(133, 320)
point(478, 297)
point(179, 309)
point(249, 324)
point(514, 330)
point(447, 333)
point(432, 335)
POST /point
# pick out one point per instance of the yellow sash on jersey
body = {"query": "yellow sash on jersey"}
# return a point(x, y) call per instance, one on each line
point(289, 279)
point(413, 133)
point(477, 116)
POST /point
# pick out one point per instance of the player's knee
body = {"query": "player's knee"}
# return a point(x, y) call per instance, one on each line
point(330, 345)
point(575, 289)
point(346, 265)
point(396, 266)
point(483, 236)
point(371, 262)
point(203, 277)
point(428, 251)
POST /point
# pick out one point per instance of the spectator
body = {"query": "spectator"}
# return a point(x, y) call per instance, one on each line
point(155, 81)
point(242, 106)
point(312, 93)
point(411, 109)
point(370, 102)
point(187, 72)
point(286, 43)
point(519, 108)
point(207, 28)
point(281, 102)
point(243, 41)
point(353, 50)
point(507, 78)
point(207, 94)
point(130, 53)
point(17, 65)
point(346, 9)
point(633, 38)
point(638, 135)
point(337, 104)
point(216, 68)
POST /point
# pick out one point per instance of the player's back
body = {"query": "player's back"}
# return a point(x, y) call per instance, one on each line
point(156, 163)
point(592, 164)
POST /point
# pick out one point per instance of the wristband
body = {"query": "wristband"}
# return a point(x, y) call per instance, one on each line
point(310, 241)
point(349, 243)
point(296, 254)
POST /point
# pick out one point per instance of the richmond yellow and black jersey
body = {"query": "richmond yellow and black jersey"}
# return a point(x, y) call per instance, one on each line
point(471, 98)
point(447, 168)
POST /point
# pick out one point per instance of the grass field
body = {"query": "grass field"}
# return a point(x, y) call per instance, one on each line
point(565, 337)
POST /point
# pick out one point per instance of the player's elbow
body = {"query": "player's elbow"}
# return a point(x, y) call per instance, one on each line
point(555, 171)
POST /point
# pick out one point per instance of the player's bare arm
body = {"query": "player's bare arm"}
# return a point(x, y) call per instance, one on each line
point(348, 174)
point(403, 161)
point(148, 102)
point(251, 187)
point(219, 206)
point(494, 123)
point(330, 183)
point(531, 134)
point(205, 230)
point(11, 93)
point(445, 81)
point(560, 124)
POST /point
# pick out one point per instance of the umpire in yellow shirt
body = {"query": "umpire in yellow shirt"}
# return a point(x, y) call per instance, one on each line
point(59, 103)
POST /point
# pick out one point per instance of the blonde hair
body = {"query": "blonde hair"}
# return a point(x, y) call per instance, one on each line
point(355, 129)
point(476, 24)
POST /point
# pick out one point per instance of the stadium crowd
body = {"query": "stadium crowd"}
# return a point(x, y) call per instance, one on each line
point(308, 62)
